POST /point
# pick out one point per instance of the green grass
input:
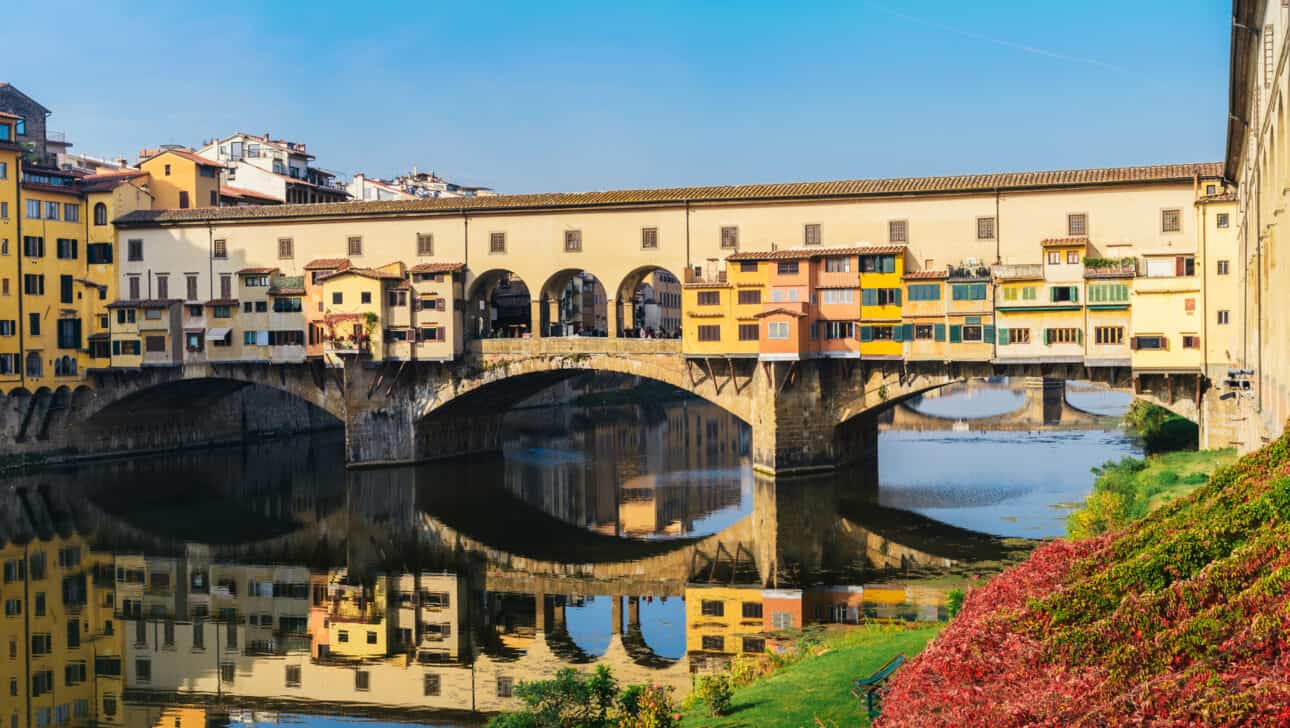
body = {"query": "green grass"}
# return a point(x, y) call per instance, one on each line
point(1131, 488)
point(818, 686)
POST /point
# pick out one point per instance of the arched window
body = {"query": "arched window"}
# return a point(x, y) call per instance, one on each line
point(100, 214)
point(34, 365)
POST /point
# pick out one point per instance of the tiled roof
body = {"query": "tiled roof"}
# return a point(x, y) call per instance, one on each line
point(222, 302)
point(437, 268)
point(1220, 197)
point(256, 271)
point(972, 183)
point(190, 156)
point(785, 311)
point(286, 291)
point(372, 273)
point(104, 181)
point(926, 275)
point(243, 193)
point(1109, 273)
point(816, 252)
point(327, 263)
point(1063, 242)
point(145, 303)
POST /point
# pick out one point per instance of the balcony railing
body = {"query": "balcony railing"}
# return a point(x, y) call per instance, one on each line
point(1110, 267)
point(1018, 272)
point(696, 276)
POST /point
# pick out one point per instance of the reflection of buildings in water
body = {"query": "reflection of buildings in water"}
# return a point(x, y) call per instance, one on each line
point(614, 471)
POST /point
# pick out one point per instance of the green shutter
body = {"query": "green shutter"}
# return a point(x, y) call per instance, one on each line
point(1074, 294)
point(956, 334)
point(1052, 294)
point(896, 292)
point(866, 333)
point(897, 333)
point(909, 332)
point(1003, 336)
point(1079, 336)
point(888, 264)
point(869, 297)
point(978, 292)
point(1048, 337)
point(939, 332)
point(987, 333)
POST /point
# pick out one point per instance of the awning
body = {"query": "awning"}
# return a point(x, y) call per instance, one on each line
point(217, 334)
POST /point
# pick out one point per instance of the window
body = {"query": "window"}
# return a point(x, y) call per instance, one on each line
point(1111, 335)
point(292, 679)
point(1189, 305)
point(1108, 293)
point(751, 610)
point(33, 246)
point(1064, 294)
point(227, 672)
point(1190, 341)
point(712, 608)
point(143, 670)
point(838, 295)
point(1077, 224)
point(1061, 336)
point(497, 243)
point(1211, 189)
point(1054, 257)
point(183, 199)
point(425, 244)
point(1224, 317)
point(1014, 336)
point(1072, 257)
point(365, 297)
point(709, 333)
point(968, 291)
point(1223, 267)
point(572, 241)
point(925, 291)
point(710, 298)
point(1171, 221)
point(877, 264)
point(837, 264)
point(355, 245)
point(362, 680)
point(98, 253)
point(4, 166)
point(51, 210)
point(754, 645)
point(505, 687)
point(748, 332)
point(880, 297)
point(134, 250)
point(1222, 220)
point(163, 286)
point(430, 684)
point(286, 249)
point(922, 331)
point(71, 213)
point(788, 267)
point(226, 285)
point(777, 330)
point(985, 228)
point(897, 231)
point(1184, 266)
point(811, 233)
point(220, 249)
point(649, 238)
point(1150, 343)
point(371, 637)
point(713, 643)
point(33, 209)
point(973, 332)
point(748, 266)
point(33, 285)
point(749, 297)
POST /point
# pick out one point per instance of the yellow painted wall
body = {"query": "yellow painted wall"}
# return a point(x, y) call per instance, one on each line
point(731, 626)
point(10, 247)
point(184, 177)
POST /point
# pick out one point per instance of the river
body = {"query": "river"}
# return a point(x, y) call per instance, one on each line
point(267, 584)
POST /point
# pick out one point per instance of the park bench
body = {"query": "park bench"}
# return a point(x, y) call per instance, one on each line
point(872, 687)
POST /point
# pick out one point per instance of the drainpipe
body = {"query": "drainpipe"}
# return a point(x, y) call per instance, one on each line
point(20, 290)
point(688, 263)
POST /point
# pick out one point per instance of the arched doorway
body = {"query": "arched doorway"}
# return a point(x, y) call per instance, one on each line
point(574, 303)
point(648, 303)
point(499, 306)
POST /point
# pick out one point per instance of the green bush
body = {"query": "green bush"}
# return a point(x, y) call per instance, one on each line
point(954, 601)
point(1160, 429)
point(716, 691)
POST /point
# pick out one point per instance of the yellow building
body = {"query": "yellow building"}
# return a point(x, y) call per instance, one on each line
point(881, 270)
point(709, 325)
point(10, 283)
point(107, 196)
point(1222, 282)
point(356, 317)
point(1167, 315)
point(180, 179)
point(723, 619)
point(924, 313)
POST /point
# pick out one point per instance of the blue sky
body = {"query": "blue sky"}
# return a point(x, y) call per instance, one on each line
point(579, 96)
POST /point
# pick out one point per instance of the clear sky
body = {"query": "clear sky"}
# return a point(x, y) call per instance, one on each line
point(578, 96)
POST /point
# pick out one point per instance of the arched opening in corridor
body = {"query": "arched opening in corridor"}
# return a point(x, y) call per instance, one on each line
point(499, 307)
point(648, 304)
point(574, 303)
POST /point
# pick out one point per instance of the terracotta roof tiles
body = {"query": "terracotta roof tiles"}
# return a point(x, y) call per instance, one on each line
point(327, 263)
point(816, 252)
point(256, 271)
point(1063, 242)
point(926, 275)
point(971, 183)
point(437, 268)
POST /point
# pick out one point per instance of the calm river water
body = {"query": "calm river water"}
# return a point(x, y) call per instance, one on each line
point(267, 584)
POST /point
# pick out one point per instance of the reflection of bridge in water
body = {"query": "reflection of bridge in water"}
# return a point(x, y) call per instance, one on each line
point(1044, 406)
point(809, 550)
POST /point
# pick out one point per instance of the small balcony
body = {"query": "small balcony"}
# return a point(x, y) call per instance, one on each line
point(1110, 267)
point(1021, 272)
point(699, 277)
point(969, 273)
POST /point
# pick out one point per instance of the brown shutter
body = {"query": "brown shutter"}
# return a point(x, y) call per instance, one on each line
point(1180, 266)
point(1133, 343)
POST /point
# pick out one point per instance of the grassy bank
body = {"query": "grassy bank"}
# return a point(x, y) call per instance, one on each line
point(819, 685)
point(1127, 490)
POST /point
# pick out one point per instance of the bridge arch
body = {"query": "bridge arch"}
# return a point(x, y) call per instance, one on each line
point(573, 302)
point(499, 305)
point(645, 287)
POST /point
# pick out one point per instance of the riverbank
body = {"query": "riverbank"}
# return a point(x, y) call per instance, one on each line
point(818, 686)
point(1179, 619)
point(1131, 488)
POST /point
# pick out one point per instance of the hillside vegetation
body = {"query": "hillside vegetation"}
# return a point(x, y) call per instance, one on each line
point(1181, 618)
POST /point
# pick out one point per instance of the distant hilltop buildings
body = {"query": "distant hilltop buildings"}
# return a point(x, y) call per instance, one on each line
point(412, 186)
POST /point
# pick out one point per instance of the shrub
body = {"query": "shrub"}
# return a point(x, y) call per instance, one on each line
point(954, 602)
point(716, 691)
point(654, 709)
point(745, 669)
point(569, 699)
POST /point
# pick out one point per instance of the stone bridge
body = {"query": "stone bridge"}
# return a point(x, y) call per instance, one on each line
point(1044, 406)
point(804, 415)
